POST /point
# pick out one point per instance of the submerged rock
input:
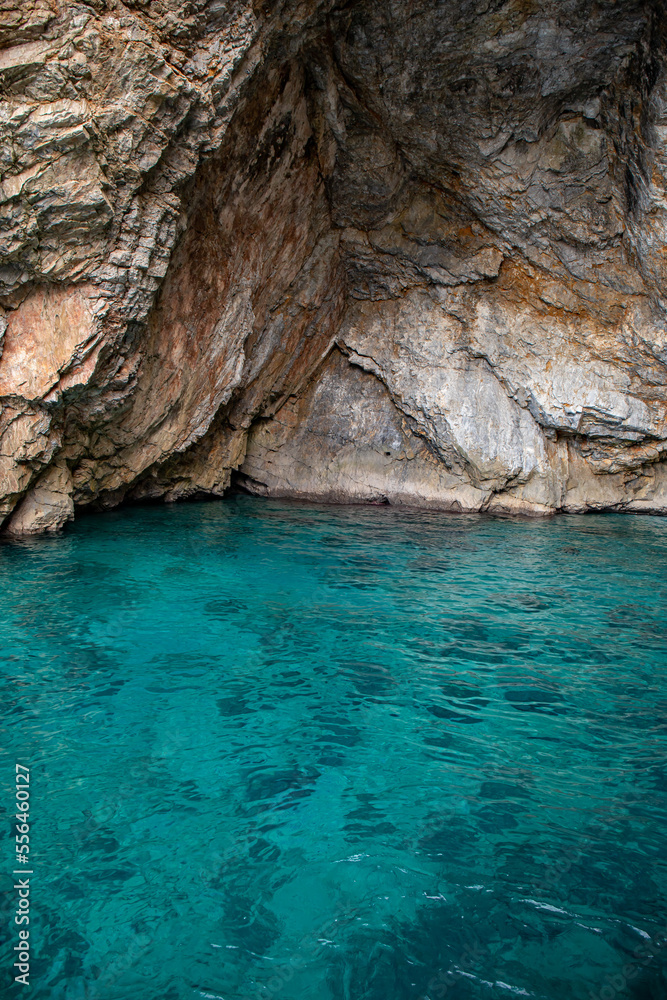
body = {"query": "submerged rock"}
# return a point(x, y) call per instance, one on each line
point(349, 251)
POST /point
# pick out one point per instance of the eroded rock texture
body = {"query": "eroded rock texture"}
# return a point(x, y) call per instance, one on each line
point(404, 252)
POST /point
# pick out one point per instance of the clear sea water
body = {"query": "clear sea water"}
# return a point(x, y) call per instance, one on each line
point(293, 752)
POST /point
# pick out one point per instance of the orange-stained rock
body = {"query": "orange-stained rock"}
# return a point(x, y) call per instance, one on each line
point(48, 338)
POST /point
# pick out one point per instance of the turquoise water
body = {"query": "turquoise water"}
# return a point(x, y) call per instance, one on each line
point(293, 752)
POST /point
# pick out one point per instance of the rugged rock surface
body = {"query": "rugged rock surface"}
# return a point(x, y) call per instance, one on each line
point(404, 252)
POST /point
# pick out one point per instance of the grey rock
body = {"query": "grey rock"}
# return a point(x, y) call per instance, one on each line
point(46, 507)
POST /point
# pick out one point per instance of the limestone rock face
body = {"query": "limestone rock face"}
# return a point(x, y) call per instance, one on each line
point(386, 252)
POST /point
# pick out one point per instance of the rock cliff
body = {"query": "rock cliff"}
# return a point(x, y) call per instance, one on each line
point(404, 252)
